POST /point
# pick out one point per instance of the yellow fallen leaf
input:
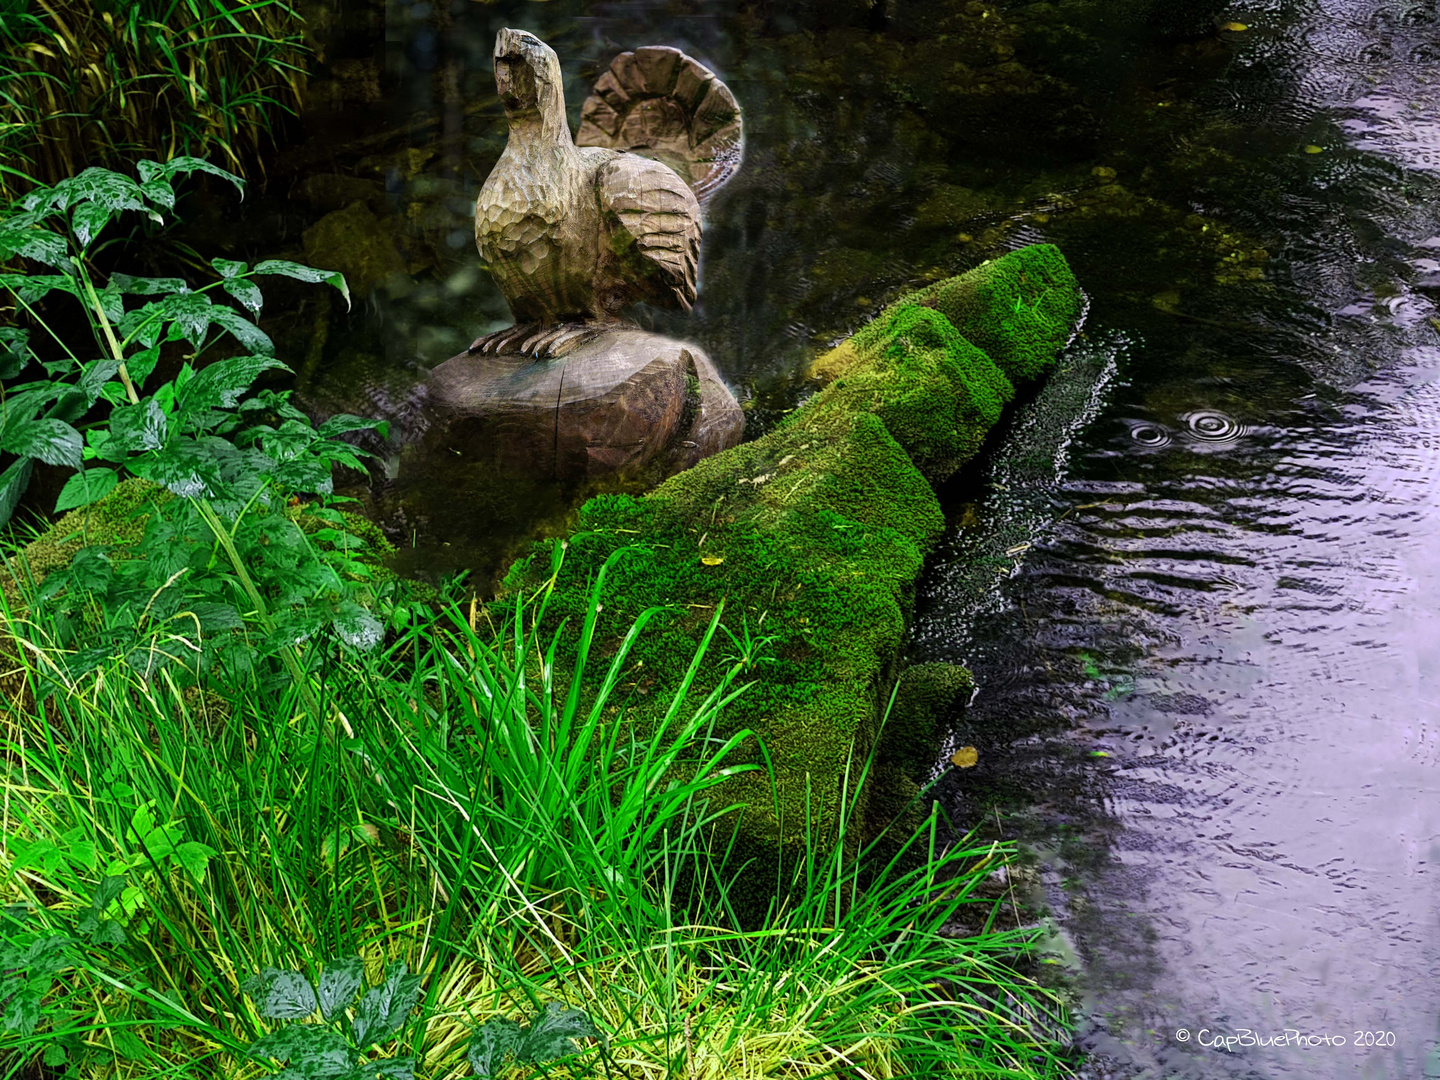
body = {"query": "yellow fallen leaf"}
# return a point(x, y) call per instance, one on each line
point(712, 560)
point(1313, 149)
point(965, 757)
point(1234, 27)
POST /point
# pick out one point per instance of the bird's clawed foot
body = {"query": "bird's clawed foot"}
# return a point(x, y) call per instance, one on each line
point(532, 339)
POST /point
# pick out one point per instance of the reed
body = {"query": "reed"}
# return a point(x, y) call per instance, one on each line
point(84, 82)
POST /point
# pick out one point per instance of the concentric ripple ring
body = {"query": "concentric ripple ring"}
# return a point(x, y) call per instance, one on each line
point(1150, 434)
point(1211, 425)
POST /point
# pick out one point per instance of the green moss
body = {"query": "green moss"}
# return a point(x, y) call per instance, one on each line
point(1020, 309)
point(936, 393)
point(816, 534)
point(926, 696)
point(118, 518)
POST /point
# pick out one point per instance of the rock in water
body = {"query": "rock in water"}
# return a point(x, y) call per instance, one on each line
point(625, 403)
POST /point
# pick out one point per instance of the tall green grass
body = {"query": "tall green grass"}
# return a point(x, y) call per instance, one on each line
point(448, 805)
point(86, 83)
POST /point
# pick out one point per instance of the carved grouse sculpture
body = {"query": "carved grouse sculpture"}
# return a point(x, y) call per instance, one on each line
point(575, 234)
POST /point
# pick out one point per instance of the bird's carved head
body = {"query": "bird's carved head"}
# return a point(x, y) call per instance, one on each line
point(527, 76)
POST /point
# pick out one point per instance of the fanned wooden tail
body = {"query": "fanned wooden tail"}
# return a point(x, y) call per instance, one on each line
point(659, 103)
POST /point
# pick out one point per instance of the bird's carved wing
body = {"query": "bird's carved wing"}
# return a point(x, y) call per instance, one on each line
point(653, 215)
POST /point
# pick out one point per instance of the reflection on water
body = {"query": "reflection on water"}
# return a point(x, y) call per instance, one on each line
point(1208, 698)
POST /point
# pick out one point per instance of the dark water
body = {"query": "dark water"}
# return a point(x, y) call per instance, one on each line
point(1210, 690)
point(1199, 584)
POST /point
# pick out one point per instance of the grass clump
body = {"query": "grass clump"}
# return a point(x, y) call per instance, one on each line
point(494, 843)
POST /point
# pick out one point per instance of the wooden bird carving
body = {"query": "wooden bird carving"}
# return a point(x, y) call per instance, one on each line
point(575, 234)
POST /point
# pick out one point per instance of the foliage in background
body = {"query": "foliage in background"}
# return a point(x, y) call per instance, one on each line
point(107, 81)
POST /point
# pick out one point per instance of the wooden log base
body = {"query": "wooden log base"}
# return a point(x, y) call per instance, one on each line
point(618, 403)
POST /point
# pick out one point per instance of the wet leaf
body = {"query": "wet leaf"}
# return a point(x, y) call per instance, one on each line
point(1234, 27)
point(87, 487)
point(1313, 149)
point(52, 441)
point(279, 995)
point(965, 757)
point(301, 272)
point(551, 1035)
point(338, 984)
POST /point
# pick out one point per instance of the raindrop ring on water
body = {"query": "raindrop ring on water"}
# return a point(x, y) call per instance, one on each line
point(1209, 425)
point(1148, 434)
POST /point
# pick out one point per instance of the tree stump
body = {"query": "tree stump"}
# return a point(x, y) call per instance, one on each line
point(625, 404)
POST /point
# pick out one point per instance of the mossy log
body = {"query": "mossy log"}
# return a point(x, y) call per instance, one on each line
point(816, 533)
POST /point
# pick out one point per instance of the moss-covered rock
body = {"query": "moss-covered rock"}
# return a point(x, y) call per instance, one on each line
point(814, 535)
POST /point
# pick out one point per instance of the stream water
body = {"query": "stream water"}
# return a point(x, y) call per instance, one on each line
point(1199, 582)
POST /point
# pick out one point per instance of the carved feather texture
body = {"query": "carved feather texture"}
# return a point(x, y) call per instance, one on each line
point(650, 207)
point(578, 234)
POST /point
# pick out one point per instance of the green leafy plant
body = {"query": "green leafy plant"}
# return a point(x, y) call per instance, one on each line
point(225, 463)
point(500, 1043)
point(30, 961)
point(333, 1048)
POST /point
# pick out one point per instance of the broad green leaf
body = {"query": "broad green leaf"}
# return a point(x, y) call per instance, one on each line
point(280, 995)
point(490, 1046)
point(88, 219)
point(147, 286)
point(339, 983)
point(13, 482)
point(100, 187)
point(396, 1068)
point(248, 334)
point(52, 441)
point(41, 245)
point(357, 628)
point(212, 616)
point(306, 273)
point(316, 1050)
point(179, 165)
point(247, 292)
point(228, 268)
point(32, 288)
point(14, 351)
point(112, 303)
point(553, 1033)
point(128, 1044)
point(194, 856)
point(192, 314)
point(185, 468)
point(94, 375)
point(23, 1012)
point(158, 192)
point(108, 889)
point(86, 487)
point(143, 819)
point(138, 428)
point(224, 382)
point(343, 422)
point(141, 364)
point(383, 1009)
